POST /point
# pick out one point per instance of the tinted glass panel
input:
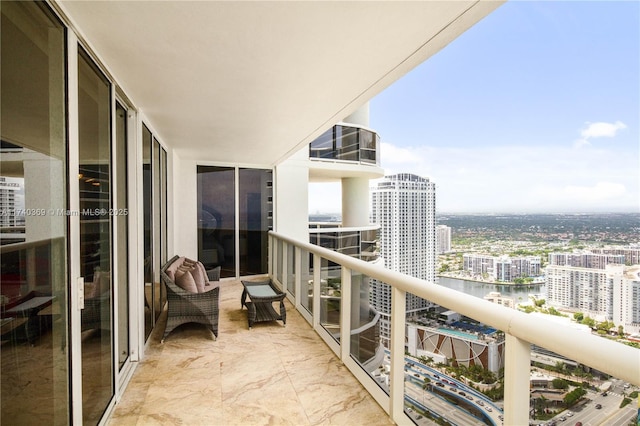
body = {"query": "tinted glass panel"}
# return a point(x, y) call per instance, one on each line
point(94, 120)
point(122, 230)
point(157, 290)
point(148, 226)
point(255, 207)
point(34, 351)
point(216, 218)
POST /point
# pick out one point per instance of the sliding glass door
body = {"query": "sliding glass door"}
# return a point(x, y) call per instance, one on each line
point(94, 101)
point(232, 229)
point(34, 343)
point(154, 176)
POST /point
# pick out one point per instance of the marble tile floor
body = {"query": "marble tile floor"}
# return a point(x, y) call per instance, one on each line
point(270, 375)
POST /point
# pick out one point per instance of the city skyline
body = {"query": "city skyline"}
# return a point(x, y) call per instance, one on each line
point(534, 109)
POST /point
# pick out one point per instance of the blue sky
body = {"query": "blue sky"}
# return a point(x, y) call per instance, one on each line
point(534, 109)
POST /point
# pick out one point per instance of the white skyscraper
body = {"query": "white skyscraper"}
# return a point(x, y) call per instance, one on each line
point(443, 239)
point(404, 205)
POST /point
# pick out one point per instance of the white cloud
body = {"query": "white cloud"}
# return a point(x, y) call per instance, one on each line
point(602, 129)
point(396, 155)
point(598, 130)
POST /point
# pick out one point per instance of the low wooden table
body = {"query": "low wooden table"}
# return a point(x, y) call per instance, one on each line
point(262, 295)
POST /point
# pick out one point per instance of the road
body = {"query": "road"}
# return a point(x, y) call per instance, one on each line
point(416, 372)
point(609, 415)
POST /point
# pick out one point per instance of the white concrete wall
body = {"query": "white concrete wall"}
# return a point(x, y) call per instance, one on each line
point(185, 201)
point(291, 193)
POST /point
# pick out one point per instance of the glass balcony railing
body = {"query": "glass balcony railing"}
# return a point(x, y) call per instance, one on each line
point(361, 243)
point(346, 143)
point(480, 358)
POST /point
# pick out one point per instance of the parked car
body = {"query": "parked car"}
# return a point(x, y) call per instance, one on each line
point(598, 406)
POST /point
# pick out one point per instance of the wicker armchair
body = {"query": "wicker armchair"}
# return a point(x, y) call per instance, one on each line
point(185, 306)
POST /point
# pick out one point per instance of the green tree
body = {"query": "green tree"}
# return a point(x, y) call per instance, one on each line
point(589, 321)
point(560, 384)
point(578, 316)
point(621, 331)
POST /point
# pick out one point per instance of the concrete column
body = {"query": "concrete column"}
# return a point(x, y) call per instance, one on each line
point(355, 202)
point(359, 116)
point(516, 381)
point(396, 394)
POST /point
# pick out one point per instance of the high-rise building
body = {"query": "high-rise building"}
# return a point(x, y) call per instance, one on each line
point(611, 293)
point(501, 268)
point(631, 253)
point(626, 297)
point(443, 239)
point(9, 216)
point(586, 259)
point(404, 205)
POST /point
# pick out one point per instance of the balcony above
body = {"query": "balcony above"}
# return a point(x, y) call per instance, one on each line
point(345, 150)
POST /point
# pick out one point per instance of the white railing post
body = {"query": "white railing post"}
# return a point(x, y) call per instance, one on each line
point(297, 276)
point(316, 290)
point(396, 379)
point(345, 314)
point(516, 380)
point(284, 265)
point(272, 243)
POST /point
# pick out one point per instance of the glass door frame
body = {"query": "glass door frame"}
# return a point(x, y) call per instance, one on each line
point(121, 376)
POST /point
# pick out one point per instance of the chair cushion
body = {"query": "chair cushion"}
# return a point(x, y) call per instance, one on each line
point(171, 270)
point(185, 280)
point(200, 276)
point(191, 276)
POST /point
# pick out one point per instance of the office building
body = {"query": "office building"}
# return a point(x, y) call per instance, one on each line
point(403, 205)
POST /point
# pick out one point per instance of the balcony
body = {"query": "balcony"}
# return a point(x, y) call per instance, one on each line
point(276, 374)
point(270, 374)
point(346, 143)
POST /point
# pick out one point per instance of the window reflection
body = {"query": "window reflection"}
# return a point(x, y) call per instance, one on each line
point(348, 143)
point(94, 119)
point(33, 238)
point(216, 218)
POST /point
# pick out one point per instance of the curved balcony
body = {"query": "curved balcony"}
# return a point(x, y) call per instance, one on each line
point(345, 142)
point(360, 242)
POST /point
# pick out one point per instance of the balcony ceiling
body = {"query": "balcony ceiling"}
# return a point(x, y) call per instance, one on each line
point(251, 82)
